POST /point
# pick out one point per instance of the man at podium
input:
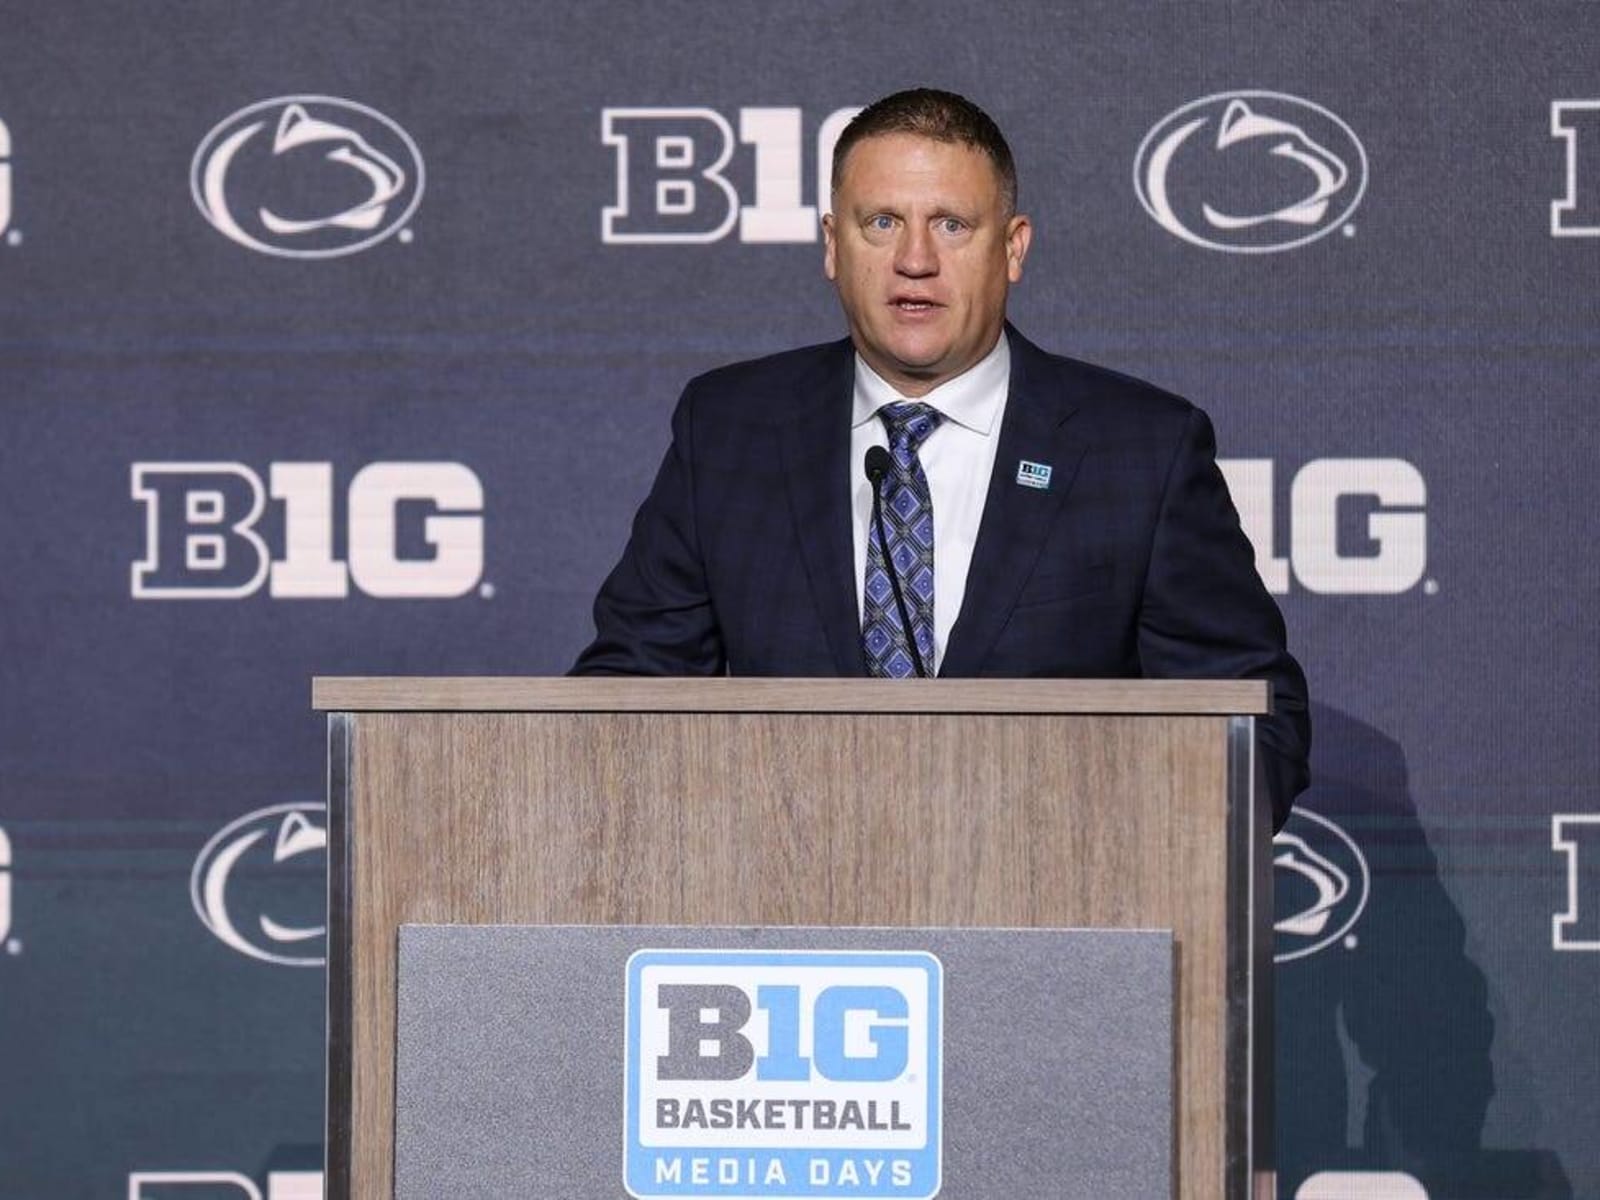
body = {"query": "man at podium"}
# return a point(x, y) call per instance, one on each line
point(934, 495)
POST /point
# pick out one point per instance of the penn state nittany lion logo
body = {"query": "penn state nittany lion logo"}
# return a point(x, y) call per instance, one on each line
point(258, 884)
point(1322, 884)
point(1250, 172)
point(307, 177)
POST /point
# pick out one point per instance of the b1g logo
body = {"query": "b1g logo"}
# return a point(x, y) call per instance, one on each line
point(1361, 1185)
point(5, 178)
point(206, 531)
point(784, 1073)
point(5, 887)
point(1332, 550)
point(1250, 172)
point(1577, 213)
point(672, 184)
point(1576, 836)
point(223, 1185)
point(307, 177)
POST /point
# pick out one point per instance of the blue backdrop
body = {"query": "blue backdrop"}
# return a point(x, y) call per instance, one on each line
point(341, 339)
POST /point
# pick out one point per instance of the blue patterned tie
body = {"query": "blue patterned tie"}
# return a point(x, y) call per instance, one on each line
point(908, 524)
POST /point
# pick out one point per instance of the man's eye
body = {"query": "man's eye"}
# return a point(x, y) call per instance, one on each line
point(882, 223)
point(951, 225)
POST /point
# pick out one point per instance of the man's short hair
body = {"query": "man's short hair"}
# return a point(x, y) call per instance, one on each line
point(941, 116)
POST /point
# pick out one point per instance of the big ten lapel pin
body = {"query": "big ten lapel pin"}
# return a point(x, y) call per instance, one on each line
point(1034, 475)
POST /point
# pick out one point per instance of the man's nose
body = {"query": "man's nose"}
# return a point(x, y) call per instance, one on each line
point(916, 255)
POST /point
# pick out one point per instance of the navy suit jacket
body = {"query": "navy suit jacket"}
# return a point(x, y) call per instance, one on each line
point(1131, 563)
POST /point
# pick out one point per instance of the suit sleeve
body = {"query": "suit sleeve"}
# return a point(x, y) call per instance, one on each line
point(1206, 614)
point(653, 615)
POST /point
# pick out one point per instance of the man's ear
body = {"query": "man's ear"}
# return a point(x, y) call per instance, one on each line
point(830, 267)
point(1019, 235)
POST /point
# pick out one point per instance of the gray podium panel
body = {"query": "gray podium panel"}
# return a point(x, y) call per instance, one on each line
point(598, 1062)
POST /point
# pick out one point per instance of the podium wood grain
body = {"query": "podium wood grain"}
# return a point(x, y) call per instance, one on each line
point(1046, 819)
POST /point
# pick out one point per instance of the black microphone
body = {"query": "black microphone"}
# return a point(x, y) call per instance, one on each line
point(878, 464)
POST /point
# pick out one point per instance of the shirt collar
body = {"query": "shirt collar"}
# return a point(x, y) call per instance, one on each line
point(972, 399)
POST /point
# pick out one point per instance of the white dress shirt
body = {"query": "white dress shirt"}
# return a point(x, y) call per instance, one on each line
point(957, 458)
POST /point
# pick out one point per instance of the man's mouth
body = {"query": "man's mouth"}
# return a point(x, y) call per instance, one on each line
point(914, 304)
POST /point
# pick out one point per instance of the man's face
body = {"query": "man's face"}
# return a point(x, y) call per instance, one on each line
point(922, 252)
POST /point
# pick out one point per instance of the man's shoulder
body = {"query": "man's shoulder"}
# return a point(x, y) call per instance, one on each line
point(1104, 393)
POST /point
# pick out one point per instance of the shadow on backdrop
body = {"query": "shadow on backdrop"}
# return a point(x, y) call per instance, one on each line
point(1383, 1022)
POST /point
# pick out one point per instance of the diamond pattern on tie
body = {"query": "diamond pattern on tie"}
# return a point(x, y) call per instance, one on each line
point(908, 524)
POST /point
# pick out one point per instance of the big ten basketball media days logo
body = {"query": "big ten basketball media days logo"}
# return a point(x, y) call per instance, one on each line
point(1576, 837)
point(1576, 212)
point(784, 1073)
point(223, 1185)
point(1357, 526)
point(676, 169)
point(411, 530)
point(307, 177)
point(258, 885)
point(1251, 172)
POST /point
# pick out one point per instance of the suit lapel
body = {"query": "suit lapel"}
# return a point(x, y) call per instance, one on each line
point(1016, 518)
point(816, 461)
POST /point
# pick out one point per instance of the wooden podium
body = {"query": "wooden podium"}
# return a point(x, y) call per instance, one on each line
point(1113, 804)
